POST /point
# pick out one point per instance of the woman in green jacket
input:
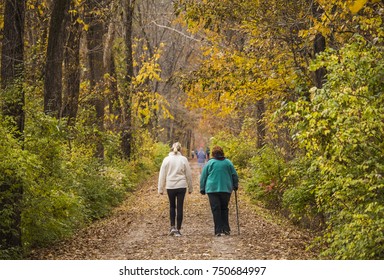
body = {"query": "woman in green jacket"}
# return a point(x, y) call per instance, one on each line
point(218, 179)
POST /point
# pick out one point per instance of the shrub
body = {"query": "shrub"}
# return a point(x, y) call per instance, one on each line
point(299, 200)
point(266, 183)
point(239, 149)
point(12, 181)
point(342, 132)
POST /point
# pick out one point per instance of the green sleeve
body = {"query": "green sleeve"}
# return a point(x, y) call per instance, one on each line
point(235, 177)
point(203, 178)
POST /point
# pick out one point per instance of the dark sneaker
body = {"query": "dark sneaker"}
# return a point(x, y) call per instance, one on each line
point(226, 232)
point(177, 233)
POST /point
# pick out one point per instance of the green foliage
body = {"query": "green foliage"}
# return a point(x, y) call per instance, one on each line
point(148, 154)
point(336, 183)
point(12, 178)
point(299, 199)
point(239, 149)
point(266, 183)
point(285, 186)
point(329, 174)
point(342, 133)
point(53, 206)
point(50, 213)
point(64, 185)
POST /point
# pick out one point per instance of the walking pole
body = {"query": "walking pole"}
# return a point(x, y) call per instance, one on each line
point(237, 214)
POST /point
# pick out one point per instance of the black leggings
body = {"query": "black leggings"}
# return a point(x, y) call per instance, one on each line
point(179, 195)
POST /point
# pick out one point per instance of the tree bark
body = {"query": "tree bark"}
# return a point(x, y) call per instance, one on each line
point(126, 132)
point(12, 62)
point(72, 71)
point(12, 68)
point(96, 67)
point(55, 52)
point(260, 127)
point(319, 45)
point(110, 68)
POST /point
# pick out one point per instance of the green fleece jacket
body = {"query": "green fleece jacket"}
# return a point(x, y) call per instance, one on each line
point(218, 175)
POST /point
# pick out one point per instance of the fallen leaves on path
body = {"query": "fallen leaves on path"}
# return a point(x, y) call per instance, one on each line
point(138, 230)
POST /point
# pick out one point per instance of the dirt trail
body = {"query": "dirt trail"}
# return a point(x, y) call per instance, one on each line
point(138, 230)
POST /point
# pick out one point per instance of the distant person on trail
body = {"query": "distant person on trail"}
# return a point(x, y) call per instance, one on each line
point(176, 177)
point(201, 159)
point(218, 179)
point(208, 151)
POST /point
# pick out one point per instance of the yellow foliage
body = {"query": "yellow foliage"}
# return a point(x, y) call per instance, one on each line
point(357, 5)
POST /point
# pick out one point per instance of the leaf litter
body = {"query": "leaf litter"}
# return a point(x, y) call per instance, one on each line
point(138, 230)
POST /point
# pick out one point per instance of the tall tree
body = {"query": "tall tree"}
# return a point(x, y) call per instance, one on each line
point(72, 67)
point(318, 45)
point(55, 53)
point(96, 67)
point(126, 128)
point(12, 60)
point(110, 69)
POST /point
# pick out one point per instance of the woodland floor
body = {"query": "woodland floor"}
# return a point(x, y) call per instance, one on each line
point(138, 230)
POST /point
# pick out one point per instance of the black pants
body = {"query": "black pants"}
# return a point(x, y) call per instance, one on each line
point(219, 206)
point(176, 204)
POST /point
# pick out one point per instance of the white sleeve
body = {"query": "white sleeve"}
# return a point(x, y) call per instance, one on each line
point(188, 175)
point(162, 177)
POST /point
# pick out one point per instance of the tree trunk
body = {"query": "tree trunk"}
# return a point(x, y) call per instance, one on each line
point(126, 132)
point(72, 71)
point(260, 127)
point(318, 47)
point(12, 62)
point(114, 101)
point(110, 68)
point(12, 68)
point(55, 51)
point(96, 67)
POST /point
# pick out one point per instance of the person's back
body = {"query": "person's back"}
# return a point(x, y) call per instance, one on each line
point(176, 177)
point(201, 156)
point(201, 159)
point(219, 176)
point(218, 179)
point(176, 170)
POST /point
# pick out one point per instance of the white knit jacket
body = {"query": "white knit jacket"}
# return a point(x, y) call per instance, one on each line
point(175, 173)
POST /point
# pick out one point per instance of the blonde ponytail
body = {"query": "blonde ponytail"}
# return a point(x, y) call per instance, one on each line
point(176, 147)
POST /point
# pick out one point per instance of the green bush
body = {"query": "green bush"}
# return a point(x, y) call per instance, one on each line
point(50, 214)
point(64, 185)
point(342, 133)
point(101, 187)
point(12, 181)
point(299, 200)
point(239, 149)
point(267, 184)
point(53, 207)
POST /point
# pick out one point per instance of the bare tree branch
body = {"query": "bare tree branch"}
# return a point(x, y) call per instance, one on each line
point(175, 30)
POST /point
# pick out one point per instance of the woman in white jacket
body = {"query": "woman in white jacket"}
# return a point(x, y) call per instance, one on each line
point(175, 176)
